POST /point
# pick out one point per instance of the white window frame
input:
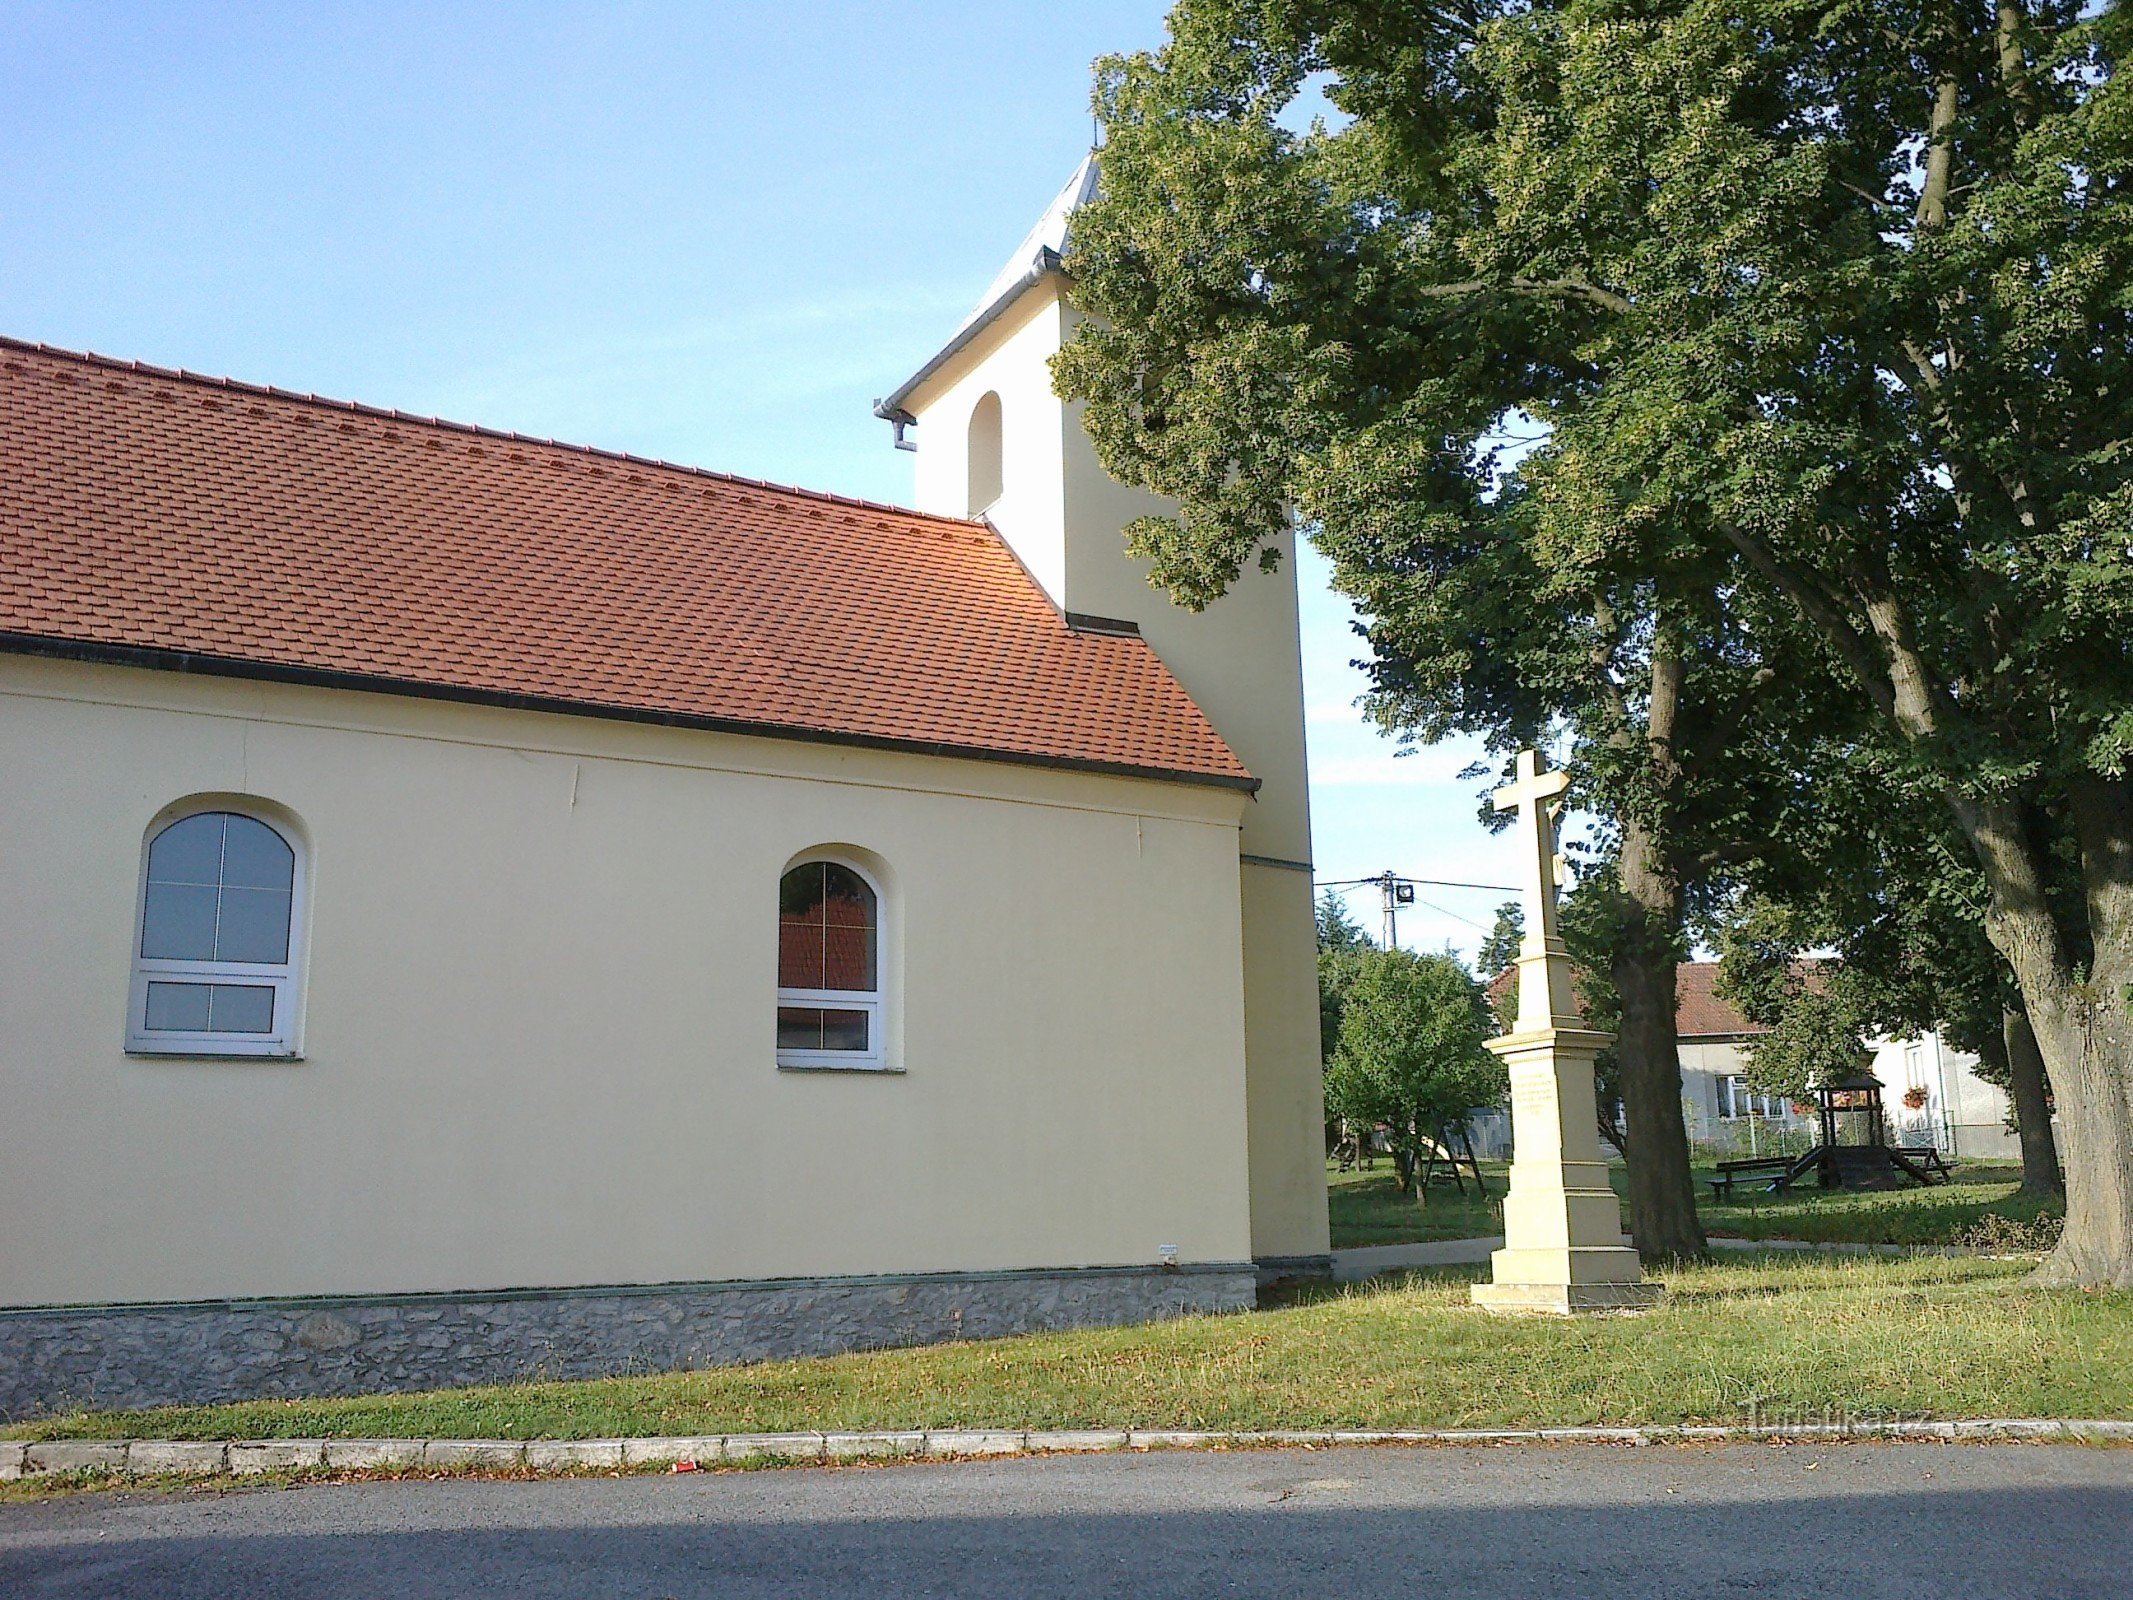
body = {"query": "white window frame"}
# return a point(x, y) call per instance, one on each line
point(874, 1002)
point(1738, 1102)
point(281, 977)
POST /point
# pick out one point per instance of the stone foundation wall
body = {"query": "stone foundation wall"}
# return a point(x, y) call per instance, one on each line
point(115, 1357)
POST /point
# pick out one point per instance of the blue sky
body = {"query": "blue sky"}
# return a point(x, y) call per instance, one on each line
point(710, 233)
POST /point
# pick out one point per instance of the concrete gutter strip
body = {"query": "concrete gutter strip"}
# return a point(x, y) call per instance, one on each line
point(211, 1458)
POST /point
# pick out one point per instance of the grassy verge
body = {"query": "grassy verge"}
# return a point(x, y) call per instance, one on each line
point(1366, 1209)
point(1939, 1215)
point(1774, 1338)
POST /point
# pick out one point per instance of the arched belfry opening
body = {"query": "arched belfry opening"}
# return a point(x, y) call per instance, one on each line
point(985, 454)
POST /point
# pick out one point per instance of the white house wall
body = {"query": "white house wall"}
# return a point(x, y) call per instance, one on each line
point(1963, 1114)
point(538, 1019)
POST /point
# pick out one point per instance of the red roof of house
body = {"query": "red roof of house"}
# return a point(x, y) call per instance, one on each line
point(1698, 1011)
point(172, 520)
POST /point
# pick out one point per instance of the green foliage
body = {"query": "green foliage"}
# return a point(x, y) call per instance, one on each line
point(1315, 323)
point(1337, 930)
point(1410, 1051)
point(1815, 1039)
point(1500, 949)
point(1341, 944)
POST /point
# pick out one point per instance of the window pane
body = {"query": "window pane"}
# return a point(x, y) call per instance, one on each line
point(254, 856)
point(799, 955)
point(848, 959)
point(241, 1008)
point(177, 1008)
point(800, 890)
point(849, 902)
point(799, 1028)
point(850, 916)
point(254, 926)
point(178, 922)
point(188, 851)
point(844, 1030)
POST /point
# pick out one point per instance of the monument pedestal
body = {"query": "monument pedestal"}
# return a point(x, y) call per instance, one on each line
point(1563, 1246)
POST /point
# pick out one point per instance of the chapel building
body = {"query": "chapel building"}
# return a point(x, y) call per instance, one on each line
point(481, 907)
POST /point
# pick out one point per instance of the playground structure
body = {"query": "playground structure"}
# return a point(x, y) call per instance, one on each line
point(1853, 1152)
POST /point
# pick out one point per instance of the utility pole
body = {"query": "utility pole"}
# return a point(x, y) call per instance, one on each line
point(1397, 892)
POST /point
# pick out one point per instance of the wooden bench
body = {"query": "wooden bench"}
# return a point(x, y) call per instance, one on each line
point(1927, 1158)
point(1749, 1169)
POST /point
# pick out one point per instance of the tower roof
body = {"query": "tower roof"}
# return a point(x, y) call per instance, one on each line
point(1033, 260)
point(1042, 246)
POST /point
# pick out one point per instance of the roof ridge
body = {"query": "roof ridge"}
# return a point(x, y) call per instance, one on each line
point(474, 429)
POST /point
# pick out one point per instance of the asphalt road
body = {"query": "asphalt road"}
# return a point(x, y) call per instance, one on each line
point(1590, 1521)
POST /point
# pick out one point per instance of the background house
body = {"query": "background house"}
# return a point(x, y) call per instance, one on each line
point(1959, 1111)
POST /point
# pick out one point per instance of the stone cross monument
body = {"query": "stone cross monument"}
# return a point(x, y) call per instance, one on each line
point(1563, 1245)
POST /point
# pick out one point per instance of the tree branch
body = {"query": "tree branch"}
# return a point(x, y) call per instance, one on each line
point(1921, 706)
point(1664, 714)
point(1940, 156)
point(1609, 635)
point(1823, 612)
point(1532, 288)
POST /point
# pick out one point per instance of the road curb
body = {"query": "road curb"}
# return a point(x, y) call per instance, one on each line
point(21, 1459)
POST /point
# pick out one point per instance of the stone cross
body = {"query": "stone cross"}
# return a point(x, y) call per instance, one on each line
point(1563, 1246)
point(1546, 996)
point(1539, 794)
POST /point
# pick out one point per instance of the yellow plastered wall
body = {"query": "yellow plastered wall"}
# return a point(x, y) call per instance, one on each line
point(1240, 660)
point(538, 1026)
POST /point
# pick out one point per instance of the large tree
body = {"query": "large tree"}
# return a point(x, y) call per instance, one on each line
point(1286, 327)
point(1827, 306)
point(1863, 274)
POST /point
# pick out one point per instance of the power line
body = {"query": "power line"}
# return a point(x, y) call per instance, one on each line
point(1433, 883)
point(1398, 891)
point(1444, 911)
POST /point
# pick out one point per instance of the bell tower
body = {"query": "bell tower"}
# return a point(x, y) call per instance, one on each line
point(994, 442)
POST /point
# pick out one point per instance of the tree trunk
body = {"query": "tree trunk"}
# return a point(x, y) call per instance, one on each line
point(1662, 1190)
point(2087, 1047)
point(2032, 1107)
point(2083, 1023)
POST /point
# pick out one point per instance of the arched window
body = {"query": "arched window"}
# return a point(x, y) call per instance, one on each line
point(215, 954)
point(985, 454)
point(829, 966)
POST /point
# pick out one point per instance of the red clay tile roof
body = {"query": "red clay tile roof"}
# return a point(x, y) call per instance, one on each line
point(1698, 1012)
point(193, 522)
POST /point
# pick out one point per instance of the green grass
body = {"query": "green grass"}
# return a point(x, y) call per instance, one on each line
point(1939, 1215)
point(1768, 1336)
point(1366, 1209)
